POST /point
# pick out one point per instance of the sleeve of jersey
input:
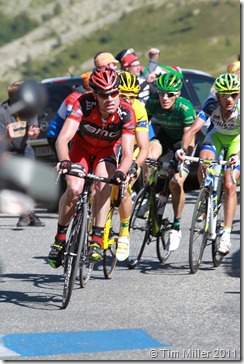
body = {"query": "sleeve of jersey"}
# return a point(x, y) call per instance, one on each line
point(188, 111)
point(76, 112)
point(129, 125)
point(209, 106)
point(141, 117)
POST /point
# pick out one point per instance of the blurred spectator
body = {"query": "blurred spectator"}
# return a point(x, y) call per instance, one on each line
point(234, 68)
point(17, 130)
point(105, 59)
point(57, 123)
point(130, 62)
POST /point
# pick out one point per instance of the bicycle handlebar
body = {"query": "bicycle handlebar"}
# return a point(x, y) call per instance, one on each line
point(207, 161)
point(95, 178)
point(156, 163)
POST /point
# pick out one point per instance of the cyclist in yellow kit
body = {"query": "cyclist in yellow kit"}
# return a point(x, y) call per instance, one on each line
point(129, 89)
point(224, 130)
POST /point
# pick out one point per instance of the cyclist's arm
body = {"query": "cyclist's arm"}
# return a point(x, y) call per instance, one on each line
point(143, 145)
point(65, 136)
point(192, 142)
point(190, 133)
point(127, 147)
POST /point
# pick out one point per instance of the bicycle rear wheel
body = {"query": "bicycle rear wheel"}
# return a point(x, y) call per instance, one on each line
point(72, 255)
point(198, 234)
point(139, 228)
point(217, 257)
point(165, 225)
point(86, 266)
point(109, 257)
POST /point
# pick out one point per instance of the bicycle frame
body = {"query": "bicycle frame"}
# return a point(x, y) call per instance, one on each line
point(106, 242)
point(212, 210)
point(152, 216)
point(146, 225)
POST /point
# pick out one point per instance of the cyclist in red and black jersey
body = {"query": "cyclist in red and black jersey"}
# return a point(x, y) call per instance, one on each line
point(97, 121)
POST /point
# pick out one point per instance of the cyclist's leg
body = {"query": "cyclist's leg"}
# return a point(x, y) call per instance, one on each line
point(67, 205)
point(125, 210)
point(211, 149)
point(104, 166)
point(230, 201)
point(176, 186)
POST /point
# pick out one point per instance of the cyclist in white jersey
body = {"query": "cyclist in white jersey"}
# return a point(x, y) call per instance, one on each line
point(224, 114)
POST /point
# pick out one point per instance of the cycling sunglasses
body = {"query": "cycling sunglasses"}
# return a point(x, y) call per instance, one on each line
point(226, 96)
point(106, 95)
point(168, 94)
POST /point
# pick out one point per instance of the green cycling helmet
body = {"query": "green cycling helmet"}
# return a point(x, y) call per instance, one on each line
point(170, 81)
point(227, 83)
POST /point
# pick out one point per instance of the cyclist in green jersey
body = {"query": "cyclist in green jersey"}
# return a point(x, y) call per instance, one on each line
point(171, 116)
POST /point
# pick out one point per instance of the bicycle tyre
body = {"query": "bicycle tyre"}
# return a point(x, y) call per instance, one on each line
point(217, 257)
point(139, 228)
point(198, 234)
point(109, 256)
point(165, 226)
point(75, 244)
point(86, 265)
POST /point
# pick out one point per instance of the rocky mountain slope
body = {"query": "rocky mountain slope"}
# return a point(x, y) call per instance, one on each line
point(76, 19)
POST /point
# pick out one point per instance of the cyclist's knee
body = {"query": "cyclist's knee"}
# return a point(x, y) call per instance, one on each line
point(230, 188)
point(176, 183)
point(72, 192)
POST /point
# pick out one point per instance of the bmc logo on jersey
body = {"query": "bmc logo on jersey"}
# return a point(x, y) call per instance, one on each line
point(102, 132)
point(90, 104)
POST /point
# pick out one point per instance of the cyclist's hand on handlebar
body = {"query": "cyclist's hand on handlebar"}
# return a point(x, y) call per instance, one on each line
point(64, 166)
point(234, 160)
point(180, 154)
point(133, 170)
point(119, 176)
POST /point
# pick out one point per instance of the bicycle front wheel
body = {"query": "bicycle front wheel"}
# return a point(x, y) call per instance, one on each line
point(109, 257)
point(139, 228)
point(199, 227)
point(217, 257)
point(73, 252)
point(165, 225)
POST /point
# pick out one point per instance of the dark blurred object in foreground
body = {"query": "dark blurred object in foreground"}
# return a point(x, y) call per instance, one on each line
point(33, 178)
point(30, 99)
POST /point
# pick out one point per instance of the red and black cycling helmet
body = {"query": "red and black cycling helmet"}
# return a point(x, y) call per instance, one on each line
point(104, 79)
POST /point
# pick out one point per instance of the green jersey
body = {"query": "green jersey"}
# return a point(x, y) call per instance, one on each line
point(173, 121)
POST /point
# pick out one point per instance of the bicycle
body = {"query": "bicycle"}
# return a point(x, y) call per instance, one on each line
point(77, 243)
point(151, 220)
point(208, 216)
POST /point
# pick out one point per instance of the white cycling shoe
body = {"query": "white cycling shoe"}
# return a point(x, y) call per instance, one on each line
point(224, 244)
point(123, 248)
point(174, 240)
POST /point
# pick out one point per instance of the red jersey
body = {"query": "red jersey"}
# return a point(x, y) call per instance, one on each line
point(93, 130)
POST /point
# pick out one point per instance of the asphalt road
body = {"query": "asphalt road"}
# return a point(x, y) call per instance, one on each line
point(155, 312)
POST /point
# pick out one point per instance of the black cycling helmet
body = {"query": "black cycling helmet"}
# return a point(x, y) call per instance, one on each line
point(104, 79)
point(170, 81)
